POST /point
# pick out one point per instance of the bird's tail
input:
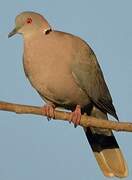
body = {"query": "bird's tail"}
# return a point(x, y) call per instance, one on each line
point(106, 149)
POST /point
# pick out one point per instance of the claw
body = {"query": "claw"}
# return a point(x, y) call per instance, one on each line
point(48, 110)
point(76, 116)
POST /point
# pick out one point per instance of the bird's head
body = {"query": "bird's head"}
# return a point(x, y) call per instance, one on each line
point(27, 23)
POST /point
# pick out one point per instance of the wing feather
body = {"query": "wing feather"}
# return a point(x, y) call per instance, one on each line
point(89, 77)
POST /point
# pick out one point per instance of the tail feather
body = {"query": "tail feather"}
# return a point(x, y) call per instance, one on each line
point(106, 149)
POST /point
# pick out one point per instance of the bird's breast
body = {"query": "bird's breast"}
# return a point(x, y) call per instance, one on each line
point(49, 72)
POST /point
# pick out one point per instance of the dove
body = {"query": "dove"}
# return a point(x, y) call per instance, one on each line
point(65, 72)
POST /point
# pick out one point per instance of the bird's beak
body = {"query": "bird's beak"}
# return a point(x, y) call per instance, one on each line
point(13, 32)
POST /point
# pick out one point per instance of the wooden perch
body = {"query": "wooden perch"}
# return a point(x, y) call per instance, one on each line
point(86, 121)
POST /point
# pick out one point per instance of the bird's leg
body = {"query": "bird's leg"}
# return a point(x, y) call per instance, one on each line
point(48, 110)
point(75, 116)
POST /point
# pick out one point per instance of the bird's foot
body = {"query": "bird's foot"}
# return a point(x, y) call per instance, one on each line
point(75, 116)
point(48, 110)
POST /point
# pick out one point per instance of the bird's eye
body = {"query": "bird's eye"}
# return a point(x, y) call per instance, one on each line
point(29, 20)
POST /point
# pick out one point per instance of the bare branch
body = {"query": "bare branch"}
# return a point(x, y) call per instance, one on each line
point(86, 121)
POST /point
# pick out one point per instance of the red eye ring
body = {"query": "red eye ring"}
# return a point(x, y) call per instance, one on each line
point(29, 20)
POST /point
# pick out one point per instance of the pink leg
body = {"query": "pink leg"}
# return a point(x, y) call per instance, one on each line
point(48, 110)
point(76, 116)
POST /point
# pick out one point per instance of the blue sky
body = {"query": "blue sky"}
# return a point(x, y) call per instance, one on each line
point(30, 146)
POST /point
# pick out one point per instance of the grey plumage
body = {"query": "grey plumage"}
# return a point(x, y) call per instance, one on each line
point(64, 70)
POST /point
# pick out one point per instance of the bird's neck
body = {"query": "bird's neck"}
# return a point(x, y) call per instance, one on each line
point(43, 30)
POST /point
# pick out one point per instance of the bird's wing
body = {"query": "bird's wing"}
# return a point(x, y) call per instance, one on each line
point(89, 77)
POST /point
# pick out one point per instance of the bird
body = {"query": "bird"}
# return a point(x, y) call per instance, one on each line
point(65, 72)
